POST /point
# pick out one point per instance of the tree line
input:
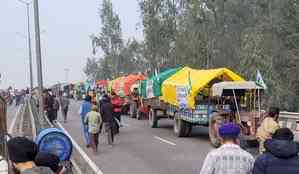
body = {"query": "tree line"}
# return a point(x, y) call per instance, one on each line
point(242, 35)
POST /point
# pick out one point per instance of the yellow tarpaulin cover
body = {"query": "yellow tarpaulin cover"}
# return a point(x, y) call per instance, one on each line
point(199, 79)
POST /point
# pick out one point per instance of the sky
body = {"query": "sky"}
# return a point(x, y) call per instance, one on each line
point(65, 29)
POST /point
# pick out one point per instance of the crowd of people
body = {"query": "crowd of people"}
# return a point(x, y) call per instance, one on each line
point(278, 150)
point(97, 116)
point(14, 95)
point(53, 103)
point(102, 116)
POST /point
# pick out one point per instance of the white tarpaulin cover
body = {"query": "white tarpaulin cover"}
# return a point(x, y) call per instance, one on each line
point(217, 89)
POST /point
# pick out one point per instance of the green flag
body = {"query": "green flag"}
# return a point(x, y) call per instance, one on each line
point(259, 80)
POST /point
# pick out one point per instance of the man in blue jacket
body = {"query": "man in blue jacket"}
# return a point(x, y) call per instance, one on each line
point(281, 156)
point(84, 109)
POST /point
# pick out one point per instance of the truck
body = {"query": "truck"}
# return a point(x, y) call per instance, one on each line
point(189, 98)
point(125, 88)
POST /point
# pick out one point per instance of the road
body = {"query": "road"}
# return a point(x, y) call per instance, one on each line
point(141, 149)
point(11, 113)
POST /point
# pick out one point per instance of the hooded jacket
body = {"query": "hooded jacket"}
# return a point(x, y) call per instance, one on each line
point(281, 157)
point(106, 110)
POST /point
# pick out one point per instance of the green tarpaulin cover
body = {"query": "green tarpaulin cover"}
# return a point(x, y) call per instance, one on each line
point(152, 86)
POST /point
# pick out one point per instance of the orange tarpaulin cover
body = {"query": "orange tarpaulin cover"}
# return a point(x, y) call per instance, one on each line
point(122, 85)
point(117, 85)
point(102, 83)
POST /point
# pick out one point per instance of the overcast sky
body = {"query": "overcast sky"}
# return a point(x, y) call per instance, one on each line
point(66, 26)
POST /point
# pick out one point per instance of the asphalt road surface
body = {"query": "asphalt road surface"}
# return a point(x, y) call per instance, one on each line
point(141, 149)
point(11, 112)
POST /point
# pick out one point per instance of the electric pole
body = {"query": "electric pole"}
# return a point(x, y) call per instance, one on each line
point(29, 42)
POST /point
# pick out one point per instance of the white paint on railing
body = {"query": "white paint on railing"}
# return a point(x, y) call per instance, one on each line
point(289, 115)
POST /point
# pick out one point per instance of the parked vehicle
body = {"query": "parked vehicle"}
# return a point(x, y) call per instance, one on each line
point(190, 98)
point(126, 88)
point(150, 91)
point(238, 102)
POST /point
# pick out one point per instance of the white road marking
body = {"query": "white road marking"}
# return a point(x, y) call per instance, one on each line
point(164, 141)
point(14, 120)
point(94, 167)
point(74, 163)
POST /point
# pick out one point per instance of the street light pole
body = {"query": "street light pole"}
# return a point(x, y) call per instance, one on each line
point(29, 47)
point(38, 56)
point(29, 42)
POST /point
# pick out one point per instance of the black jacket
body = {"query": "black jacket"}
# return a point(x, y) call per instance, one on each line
point(106, 109)
point(281, 157)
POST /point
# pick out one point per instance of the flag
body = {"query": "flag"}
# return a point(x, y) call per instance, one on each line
point(259, 80)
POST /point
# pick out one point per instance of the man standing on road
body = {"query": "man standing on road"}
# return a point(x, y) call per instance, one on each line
point(94, 120)
point(55, 107)
point(107, 117)
point(48, 105)
point(281, 155)
point(64, 102)
point(268, 127)
point(229, 158)
point(84, 109)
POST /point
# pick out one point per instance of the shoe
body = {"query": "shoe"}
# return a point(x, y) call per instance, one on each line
point(88, 146)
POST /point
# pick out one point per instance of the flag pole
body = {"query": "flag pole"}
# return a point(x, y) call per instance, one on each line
point(259, 102)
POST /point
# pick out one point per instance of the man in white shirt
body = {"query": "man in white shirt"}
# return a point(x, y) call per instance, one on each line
point(229, 158)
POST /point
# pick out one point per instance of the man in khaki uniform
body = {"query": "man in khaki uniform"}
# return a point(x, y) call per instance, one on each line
point(268, 127)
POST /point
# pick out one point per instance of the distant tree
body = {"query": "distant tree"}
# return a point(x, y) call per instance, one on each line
point(91, 68)
point(110, 38)
point(242, 35)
